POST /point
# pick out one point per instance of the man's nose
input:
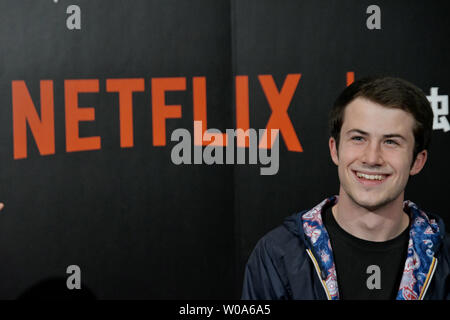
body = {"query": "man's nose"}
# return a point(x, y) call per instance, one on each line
point(372, 155)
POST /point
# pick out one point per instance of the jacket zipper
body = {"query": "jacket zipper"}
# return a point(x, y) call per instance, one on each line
point(319, 273)
point(428, 279)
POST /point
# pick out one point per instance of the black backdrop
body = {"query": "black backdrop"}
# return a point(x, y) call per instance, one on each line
point(140, 226)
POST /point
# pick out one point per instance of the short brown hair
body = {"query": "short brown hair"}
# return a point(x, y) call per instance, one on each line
point(391, 93)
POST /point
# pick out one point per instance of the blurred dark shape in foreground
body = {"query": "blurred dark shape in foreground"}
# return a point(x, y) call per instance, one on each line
point(56, 289)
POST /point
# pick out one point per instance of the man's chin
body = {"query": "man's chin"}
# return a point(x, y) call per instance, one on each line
point(371, 204)
point(372, 207)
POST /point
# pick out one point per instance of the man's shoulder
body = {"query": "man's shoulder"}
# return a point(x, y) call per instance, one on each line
point(446, 246)
point(284, 238)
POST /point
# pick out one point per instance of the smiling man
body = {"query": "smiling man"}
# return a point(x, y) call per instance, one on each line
point(367, 242)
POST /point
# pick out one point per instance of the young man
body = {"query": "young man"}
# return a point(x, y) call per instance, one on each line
point(367, 242)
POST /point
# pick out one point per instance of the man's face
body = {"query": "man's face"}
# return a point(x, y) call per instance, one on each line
point(375, 153)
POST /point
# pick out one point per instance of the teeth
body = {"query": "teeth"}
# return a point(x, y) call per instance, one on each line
point(369, 177)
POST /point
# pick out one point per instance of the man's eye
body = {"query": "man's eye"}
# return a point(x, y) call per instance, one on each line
point(357, 138)
point(391, 142)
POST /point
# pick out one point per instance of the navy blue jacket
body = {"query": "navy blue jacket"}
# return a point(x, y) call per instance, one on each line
point(295, 260)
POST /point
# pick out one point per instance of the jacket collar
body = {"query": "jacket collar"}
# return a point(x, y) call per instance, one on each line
point(424, 240)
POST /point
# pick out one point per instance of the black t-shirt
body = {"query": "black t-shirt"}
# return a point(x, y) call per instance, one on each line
point(366, 269)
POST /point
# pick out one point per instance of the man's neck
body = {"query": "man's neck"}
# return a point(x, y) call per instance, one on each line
point(382, 224)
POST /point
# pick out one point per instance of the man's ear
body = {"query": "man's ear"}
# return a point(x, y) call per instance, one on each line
point(419, 162)
point(333, 150)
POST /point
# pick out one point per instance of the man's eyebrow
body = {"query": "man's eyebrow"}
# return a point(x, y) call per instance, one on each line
point(387, 136)
point(357, 131)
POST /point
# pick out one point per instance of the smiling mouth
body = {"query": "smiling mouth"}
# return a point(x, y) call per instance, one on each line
point(370, 178)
